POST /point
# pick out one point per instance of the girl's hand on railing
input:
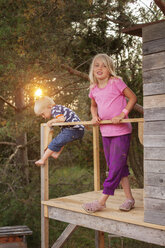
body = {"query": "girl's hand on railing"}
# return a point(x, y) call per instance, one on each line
point(117, 119)
point(96, 120)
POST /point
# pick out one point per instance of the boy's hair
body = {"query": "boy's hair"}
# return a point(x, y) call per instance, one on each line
point(108, 63)
point(42, 103)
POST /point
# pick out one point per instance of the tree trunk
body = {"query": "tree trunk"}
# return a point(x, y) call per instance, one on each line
point(22, 155)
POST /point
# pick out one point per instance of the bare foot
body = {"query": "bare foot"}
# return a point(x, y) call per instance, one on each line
point(56, 154)
point(39, 162)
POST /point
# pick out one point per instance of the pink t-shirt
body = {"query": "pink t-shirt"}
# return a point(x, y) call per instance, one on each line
point(110, 102)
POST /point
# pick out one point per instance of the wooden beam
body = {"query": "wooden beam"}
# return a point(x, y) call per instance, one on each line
point(140, 132)
point(45, 138)
point(64, 236)
point(96, 158)
point(96, 222)
point(89, 123)
point(161, 5)
point(99, 239)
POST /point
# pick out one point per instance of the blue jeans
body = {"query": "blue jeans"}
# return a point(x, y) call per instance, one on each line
point(65, 136)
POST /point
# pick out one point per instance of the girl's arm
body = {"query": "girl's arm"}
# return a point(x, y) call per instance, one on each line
point(61, 118)
point(132, 99)
point(95, 118)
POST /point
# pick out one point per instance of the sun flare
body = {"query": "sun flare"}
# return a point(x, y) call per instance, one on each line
point(38, 93)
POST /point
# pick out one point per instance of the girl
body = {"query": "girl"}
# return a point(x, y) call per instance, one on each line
point(108, 102)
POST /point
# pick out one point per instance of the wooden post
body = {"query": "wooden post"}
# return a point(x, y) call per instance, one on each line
point(140, 131)
point(99, 236)
point(45, 138)
point(96, 158)
point(99, 239)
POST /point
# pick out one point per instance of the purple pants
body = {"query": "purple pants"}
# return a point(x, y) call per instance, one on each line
point(116, 152)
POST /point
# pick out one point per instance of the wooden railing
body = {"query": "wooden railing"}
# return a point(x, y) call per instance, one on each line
point(46, 137)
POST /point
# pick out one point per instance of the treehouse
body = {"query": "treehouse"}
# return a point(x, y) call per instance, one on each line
point(146, 222)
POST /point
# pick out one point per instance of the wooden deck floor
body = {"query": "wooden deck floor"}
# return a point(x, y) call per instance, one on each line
point(112, 220)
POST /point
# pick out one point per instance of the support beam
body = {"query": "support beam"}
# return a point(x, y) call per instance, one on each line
point(99, 239)
point(46, 136)
point(64, 236)
point(96, 158)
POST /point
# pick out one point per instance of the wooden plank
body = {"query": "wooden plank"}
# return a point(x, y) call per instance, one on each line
point(137, 232)
point(99, 239)
point(140, 132)
point(154, 128)
point(154, 46)
point(154, 153)
point(154, 179)
point(153, 88)
point(153, 32)
point(74, 203)
point(154, 204)
point(14, 245)
point(154, 217)
point(156, 101)
point(154, 61)
point(89, 123)
point(155, 166)
point(154, 140)
point(45, 138)
point(64, 236)
point(154, 76)
point(154, 114)
point(154, 192)
point(14, 231)
point(96, 158)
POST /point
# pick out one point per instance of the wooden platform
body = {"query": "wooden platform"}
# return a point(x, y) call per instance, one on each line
point(111, 220)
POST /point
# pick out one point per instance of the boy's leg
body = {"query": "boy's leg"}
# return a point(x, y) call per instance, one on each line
point(47, 154)
point(57, 154)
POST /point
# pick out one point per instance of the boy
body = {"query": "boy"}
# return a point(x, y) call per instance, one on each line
point(47, 108)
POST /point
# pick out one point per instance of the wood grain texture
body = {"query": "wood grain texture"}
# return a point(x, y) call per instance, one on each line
point(137, 232)
point(153, 32)
point(154, 76)
point(152, 153)
point(154, 192)
point(154, 217)
point(154, 114)
point(96, 158)
point(64, 236)
point(154, 46)
point(154, 88)
point(154, 179)
point(74, 203)
point(154, 141)
point(156, 101)
point(154, 204)
point(154, 61)
point(154, 166)
point(154, 128)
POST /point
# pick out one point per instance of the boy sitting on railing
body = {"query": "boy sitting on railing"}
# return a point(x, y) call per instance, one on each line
point(47, 108)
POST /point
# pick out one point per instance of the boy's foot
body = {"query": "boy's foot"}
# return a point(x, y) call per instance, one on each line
point(39, 162)
point(127, 205)
point(56, 154)
point(92, 207)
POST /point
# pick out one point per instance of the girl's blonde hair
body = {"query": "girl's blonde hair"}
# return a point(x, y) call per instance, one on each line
point(108, 63)
point(42, 104)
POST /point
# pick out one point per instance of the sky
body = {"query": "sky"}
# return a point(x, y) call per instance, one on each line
point(146, 2)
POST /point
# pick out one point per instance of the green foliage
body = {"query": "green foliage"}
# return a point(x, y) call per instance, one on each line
point(36, 37)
